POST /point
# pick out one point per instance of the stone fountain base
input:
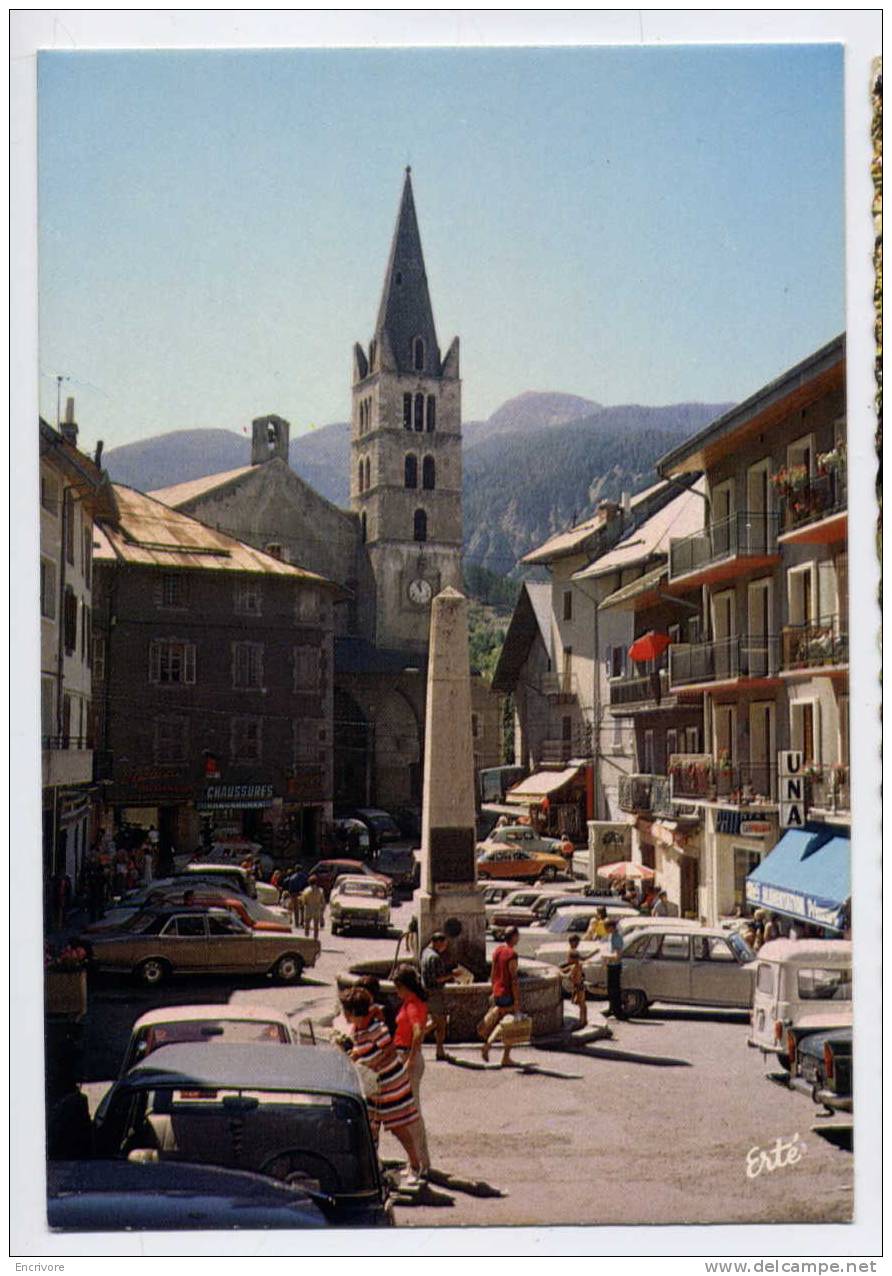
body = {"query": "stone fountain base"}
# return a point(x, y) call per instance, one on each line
point(466, 1004)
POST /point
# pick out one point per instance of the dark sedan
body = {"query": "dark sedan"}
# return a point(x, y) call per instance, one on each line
point(111, 1196)
point(822, 1068)
point(297, 1115)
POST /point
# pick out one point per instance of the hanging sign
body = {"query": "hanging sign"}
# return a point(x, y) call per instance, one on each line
point(791, 778)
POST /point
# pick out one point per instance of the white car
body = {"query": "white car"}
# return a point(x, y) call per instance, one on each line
point(707, 966)
point(518, 908)
point(521, 835)
point(593, 969)
point(359, 903)
point(567, 921)
point(801, 986)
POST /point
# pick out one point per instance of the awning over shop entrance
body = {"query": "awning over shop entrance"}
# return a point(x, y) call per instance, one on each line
point(542, 784)
point(806, 876)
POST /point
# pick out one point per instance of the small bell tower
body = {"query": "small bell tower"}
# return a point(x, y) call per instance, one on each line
point(269, 439)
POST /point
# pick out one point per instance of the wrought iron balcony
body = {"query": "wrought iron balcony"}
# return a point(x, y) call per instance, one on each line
point(647, 690)
point(561, 688)
point(745, 535)
point(648, 794)
point(814, 646)
point(723, 660)
point(711, 779)
point(815, 498)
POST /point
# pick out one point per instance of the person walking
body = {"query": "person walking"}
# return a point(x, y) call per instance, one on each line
point(660, 907)
point(436, 971)
point(411, 1029)
point(505, 990)
point(313, 904)
point(573, 969)
point(613, 962)
point(392, 1105)
point(295, 885)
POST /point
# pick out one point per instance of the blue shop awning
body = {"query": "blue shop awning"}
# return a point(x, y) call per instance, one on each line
point(807, 876)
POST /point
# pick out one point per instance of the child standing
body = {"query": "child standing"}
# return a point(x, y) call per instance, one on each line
point(573, 968)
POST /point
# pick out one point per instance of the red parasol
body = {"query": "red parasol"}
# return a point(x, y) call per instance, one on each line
point(649, 646)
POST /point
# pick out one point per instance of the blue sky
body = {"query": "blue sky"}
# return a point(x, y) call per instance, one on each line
point(628, 224)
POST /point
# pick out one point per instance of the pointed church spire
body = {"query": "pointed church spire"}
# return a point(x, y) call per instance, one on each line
point(405, 317)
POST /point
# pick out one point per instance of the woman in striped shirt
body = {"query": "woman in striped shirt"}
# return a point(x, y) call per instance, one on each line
point(392, 1105)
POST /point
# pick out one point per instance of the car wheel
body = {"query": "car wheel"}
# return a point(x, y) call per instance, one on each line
point(289, 968)
point(152, 972)
point(634, 1002)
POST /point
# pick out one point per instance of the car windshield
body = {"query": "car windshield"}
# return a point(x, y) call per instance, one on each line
point(214, 1031)
point(833, 983)
point(742, 950)
point(370, 888)
point(320, 1141)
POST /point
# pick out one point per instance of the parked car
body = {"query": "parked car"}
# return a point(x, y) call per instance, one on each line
point(295, 1115)
point(158, 943)
point(548, 905)
point(516, 908)
point(593, 966)
point(240, 877)
point(802, 986)
point(821, 1065)
point(514, 861)
point(207, 894)
point(359, 903)
point(521, 835)
point(208, 1024)
point(382, 824)
point(328, 871)
point(117, 1196)
point(234, 850)
point(568, 921)
point(401, 865)
point(703, 967)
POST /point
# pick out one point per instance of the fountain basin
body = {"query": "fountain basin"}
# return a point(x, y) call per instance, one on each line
point(466, 1004)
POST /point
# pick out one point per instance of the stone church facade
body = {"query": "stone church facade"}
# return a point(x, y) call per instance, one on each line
point(398, 545)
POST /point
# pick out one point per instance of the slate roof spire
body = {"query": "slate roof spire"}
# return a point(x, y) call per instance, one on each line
point(405, 317)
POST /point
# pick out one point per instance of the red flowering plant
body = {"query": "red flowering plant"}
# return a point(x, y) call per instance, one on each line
point(68, 959)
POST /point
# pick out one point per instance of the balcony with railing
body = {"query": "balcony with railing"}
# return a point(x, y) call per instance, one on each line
point(701, 777)
point(561, 688)
point(726, 548)
point(641, 693)
point(827, 789)
point(67, 759)
point(723, 660)
point(817, 645)
point(646, 795)
point(813, 507)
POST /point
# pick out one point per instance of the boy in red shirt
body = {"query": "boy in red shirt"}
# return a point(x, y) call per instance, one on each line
point(505, 994)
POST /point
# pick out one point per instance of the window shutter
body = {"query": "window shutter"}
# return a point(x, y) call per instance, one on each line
point(154, 662)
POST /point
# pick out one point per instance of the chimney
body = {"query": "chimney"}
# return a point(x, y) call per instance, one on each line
point(609, 511)
point(97, 455)
point(626, 502)
point(68, 428)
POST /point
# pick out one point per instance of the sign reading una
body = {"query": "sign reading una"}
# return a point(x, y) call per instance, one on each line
point(792, 798)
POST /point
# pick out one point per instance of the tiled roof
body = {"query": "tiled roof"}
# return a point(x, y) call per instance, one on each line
point(148, 533)
point(181, 493)
point(575, 538)
point(680, 517)
point(647, 583)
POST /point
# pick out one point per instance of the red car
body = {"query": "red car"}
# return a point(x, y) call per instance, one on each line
point(327, 873)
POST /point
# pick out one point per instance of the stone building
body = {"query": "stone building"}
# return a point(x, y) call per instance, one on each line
point(72, 490)
point(212, 676)
point(398, 545)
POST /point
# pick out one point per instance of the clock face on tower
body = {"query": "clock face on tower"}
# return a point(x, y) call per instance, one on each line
point(420, 591)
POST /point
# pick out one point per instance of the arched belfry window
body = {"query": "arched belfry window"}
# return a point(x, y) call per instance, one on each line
point(419, 412)
point(368, 473)
point(420, 528)
point(411, 471)
point(360, 478)
point(431, 413)
point(407, 412)
point(417, 354)
point(429, 473)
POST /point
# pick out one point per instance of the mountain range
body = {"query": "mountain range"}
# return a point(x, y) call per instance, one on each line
point(539, 463)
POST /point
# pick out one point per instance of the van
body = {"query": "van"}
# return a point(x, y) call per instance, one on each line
point(801, 986)
point(401, 865)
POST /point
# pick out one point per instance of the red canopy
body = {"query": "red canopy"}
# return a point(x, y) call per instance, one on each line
point(649, 646)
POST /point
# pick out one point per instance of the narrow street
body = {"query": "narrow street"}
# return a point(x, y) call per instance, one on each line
point(653, 1126)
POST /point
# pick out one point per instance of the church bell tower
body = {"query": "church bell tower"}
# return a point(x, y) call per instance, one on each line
point(405, 461)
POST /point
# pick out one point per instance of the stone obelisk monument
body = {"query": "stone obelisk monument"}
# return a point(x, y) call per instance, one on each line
point(450, 899)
